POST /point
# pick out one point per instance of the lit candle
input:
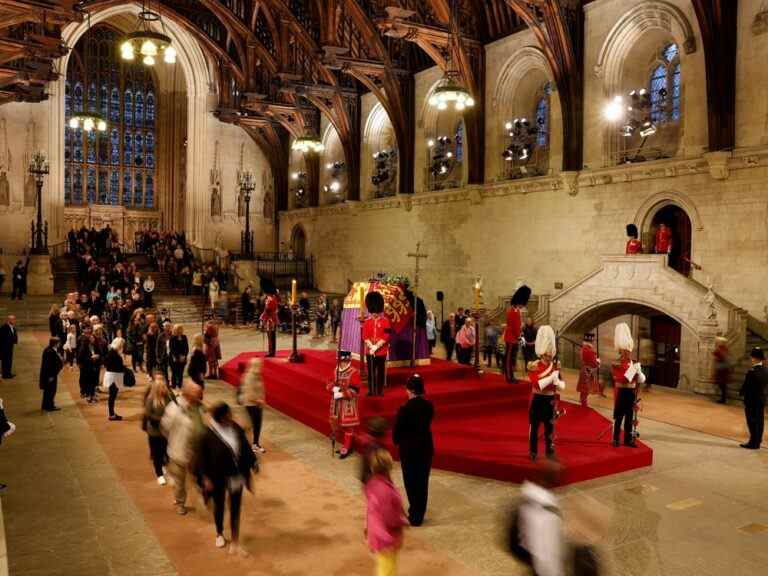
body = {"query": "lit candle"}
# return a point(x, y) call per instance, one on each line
point(293, 292)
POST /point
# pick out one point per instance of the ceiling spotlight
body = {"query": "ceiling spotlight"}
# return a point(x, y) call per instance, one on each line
point(614, 109)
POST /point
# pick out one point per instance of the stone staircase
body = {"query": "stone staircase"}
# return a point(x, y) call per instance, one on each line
point(638, 283)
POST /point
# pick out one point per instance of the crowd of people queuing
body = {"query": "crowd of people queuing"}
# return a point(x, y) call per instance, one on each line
point(185, 438)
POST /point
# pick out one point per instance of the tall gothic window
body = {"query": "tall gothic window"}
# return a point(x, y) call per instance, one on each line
point(116, 167)
point(664, 85)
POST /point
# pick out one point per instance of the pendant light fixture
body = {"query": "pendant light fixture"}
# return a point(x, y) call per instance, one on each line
point(451, 90)
point(88, 120)
point(146, 42)
point(307, 144)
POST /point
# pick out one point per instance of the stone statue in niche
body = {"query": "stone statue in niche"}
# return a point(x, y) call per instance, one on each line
point(5, 190)
point(215, 202)
point(215, 176)
point(267, 208)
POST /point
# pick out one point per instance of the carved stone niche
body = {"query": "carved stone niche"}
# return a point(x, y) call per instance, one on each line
point(760, 23)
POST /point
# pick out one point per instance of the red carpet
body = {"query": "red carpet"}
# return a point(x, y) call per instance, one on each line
point(481, 422)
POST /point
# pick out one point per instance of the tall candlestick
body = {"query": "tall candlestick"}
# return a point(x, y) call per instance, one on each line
point(293, 292)
point(362, 302)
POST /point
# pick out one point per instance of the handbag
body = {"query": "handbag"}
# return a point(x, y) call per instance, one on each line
point(129, 379)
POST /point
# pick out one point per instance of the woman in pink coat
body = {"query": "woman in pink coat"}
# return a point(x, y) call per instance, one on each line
point(385, 518)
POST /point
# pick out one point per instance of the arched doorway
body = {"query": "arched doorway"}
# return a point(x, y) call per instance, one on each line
point(658, 341)
point(298, 242)
point(679, 224)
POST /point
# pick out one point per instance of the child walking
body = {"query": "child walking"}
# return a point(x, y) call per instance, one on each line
point(385, 518)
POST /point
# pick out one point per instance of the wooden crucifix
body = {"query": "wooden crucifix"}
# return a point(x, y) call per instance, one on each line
point(418, 255)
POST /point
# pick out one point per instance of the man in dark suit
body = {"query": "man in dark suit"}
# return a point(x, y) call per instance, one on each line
point(413, 434)
point(753, 391)
point(8, 339)
point(50, 366)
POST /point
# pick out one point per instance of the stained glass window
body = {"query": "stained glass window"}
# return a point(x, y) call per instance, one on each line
point(542, 121)
point(118, 166)
point(114, 188)
point(670, 52)
point(149, 191)
point(658, 90)
point(676, 93)
point(665, 86)
point(139, 111)
point(460, 142)
point(138, 191)
point(91, 184)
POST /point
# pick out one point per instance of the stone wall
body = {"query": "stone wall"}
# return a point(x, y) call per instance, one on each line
point(549, 231)
point(23, 130)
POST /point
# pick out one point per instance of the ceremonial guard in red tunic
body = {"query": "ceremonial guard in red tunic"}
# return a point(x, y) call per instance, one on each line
point(376, 335)
point(663, 244)
point(544, 375)
point(588, 375)
point(634, 246)
point(344, 414)
point(513, 330)
point(626, 377)
point(269, 316)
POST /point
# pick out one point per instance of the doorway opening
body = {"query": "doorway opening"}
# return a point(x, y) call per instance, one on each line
point(298, 242)
point(679, 225)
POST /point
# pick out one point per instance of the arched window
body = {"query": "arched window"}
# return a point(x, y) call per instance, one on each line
point(542, 116)
point(117, 166)
point(664, 85)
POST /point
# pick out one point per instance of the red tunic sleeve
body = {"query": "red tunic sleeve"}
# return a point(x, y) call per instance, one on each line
point(540, 370)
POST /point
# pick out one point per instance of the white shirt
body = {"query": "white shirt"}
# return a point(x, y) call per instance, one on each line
point(541, 531)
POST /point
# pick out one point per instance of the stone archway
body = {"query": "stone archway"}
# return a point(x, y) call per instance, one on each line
point(299, 242)
point(685, 218)
point(198, 79)
point(626, 284)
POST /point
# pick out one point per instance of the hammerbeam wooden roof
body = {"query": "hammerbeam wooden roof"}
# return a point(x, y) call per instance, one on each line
point(283, 63)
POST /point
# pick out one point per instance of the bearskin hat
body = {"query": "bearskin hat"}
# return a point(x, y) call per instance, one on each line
point(374, 302)
point(521, 296)
point(267, 285)
point(632, 231)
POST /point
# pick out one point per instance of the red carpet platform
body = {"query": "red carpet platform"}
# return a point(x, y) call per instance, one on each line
point(481, 422)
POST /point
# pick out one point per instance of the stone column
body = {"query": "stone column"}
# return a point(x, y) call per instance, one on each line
point(705, 382)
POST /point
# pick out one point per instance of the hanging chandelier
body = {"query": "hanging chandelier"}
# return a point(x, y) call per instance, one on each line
point(149, 44)
point(307, 144)
point(88, 120)
point(450, 90)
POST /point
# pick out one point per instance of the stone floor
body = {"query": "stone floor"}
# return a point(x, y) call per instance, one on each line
point(82, 498)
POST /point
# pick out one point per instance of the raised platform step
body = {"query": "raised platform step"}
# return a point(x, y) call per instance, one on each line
point(480, 426)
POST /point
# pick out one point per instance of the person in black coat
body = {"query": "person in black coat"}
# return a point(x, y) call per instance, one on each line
point(413, 434)
point(753, 391)
point(114, 375)
point(179, 349)
point(8, 339)
point(224, 465)
point(448, 333)
point(50, 366)
point(88, 360)
point(19, 280)
point(198, 365)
